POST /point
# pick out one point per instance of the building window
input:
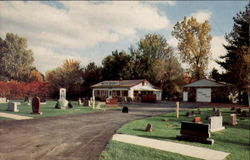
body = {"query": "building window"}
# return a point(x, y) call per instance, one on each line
point(118, 93)
point(125, 93)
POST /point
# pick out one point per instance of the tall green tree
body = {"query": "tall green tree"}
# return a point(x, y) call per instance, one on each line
point(194, 44)
point(170, 74)
point(16, 60)
point(116, 66)
point(68, 76)
point(236, 62)
point(92, 74)
point(151, 47)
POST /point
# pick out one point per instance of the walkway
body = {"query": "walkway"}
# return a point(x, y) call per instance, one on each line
point(14, 116)
point(183, 149)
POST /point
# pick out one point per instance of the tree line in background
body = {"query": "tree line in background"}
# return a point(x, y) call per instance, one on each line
point(151, 58)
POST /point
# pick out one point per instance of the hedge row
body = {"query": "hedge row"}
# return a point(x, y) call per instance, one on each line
point(16, 90)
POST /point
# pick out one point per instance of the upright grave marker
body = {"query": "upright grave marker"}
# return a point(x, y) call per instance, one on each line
point(233, 119)
point(216, 123)
point(195, 132)
point(12, 107)
point(36, 105)
point(3, 100)
point(62, 99)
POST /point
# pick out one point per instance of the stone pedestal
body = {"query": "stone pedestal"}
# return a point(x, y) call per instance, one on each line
point(12, 107)
point(216, 123)
point(63, 103)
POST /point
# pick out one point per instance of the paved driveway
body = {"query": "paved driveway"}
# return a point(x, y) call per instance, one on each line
point(71, 137)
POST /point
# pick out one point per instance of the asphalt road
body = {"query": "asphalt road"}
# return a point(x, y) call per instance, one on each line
point(72, 137)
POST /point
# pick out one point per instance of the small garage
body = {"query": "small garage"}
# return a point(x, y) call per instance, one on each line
point(205, 91)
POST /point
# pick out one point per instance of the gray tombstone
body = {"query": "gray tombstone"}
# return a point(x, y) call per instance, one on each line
point(12, 107)
point(216, 123)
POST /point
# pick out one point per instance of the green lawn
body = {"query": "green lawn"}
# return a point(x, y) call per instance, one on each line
point(234, 139)
point(123, 151)
point(4, 118)
point(48, 109)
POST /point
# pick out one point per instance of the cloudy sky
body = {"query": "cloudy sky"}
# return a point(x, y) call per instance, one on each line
point(89, 31)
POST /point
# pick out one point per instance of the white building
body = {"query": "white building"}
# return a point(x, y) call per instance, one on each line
point(125, 88)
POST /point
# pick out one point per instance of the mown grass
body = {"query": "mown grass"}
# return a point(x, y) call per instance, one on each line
point(123, 151)
point(48, 109)
point(234, 139)
point(4, 118)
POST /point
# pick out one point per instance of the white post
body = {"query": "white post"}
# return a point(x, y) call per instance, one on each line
point(93, 98)
point(93, 102)
point(177, 109)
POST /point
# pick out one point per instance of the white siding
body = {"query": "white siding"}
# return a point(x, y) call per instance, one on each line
point(203, 94)
point(185, 96)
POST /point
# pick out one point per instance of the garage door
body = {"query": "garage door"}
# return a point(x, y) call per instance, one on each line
point(203, 94)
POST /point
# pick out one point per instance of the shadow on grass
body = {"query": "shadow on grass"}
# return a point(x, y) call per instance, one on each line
point(141, 130)
point(233, 142)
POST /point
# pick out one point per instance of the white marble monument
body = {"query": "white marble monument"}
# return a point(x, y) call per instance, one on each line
point(12, 107)
point(62, 99)
point(216, 123)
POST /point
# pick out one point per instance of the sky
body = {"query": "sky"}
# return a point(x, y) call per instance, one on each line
point(89, 31)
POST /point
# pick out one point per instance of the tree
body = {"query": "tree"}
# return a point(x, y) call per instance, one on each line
point(170, 74)
point(116, 66)
point(194, 44)
point(35, 75)
point(16, 60)
point(236, 62)
point(92, 74)
point(151, 47)
point(68, 76)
